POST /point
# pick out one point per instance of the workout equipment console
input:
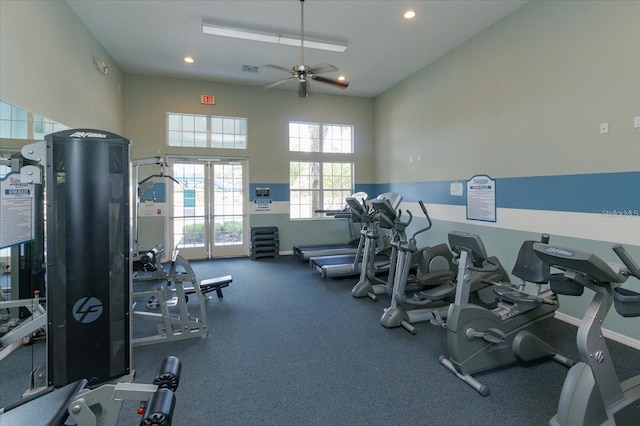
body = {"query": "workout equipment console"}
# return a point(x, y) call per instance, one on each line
point(181, 325)
point(480, 339)
point(592, 393)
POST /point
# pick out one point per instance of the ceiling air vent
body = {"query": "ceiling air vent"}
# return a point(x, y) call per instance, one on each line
point(249, 68)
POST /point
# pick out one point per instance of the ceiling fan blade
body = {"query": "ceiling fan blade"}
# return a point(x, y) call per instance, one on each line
point(319, 69)
point(337, 83)
point(270, 85)
point(302, 90)
point(278, 67)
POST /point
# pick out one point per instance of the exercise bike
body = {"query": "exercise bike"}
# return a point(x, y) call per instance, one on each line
point(480, 339)
point(592, 393)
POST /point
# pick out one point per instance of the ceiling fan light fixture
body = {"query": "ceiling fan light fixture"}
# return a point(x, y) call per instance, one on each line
point(249, 34)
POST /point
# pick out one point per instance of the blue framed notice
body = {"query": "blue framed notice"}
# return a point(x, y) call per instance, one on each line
point(481, 198)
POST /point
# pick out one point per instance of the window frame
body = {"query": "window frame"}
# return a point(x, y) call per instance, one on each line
point(323, 140)
point(318, 195)
point(204, 134)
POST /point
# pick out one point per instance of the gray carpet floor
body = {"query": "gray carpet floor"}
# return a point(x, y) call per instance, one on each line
point(287, 347)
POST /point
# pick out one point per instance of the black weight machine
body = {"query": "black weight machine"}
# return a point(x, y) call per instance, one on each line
point(88, 308)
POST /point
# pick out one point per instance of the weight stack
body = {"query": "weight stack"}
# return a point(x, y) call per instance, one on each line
point(264, 242)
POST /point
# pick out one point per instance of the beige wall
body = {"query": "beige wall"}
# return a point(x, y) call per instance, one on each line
point(46, 66)
point(524, 97)
point(148, 99)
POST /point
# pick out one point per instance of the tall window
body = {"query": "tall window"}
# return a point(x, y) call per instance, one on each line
point(206, 131)
point(318, 186)
point(325, 183)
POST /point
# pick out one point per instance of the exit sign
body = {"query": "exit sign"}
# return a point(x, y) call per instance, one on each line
point(208, 99)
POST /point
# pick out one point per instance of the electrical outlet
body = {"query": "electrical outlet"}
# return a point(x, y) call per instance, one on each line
point(604, 128)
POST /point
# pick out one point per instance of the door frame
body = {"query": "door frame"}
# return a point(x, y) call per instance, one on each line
point(211, 250)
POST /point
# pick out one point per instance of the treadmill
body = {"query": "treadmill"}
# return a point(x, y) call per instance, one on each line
point(350, 265)
point(306, 252)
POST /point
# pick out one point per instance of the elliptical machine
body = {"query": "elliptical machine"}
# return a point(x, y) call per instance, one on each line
point(370, 266)
point(592, 394)
point(436, 270)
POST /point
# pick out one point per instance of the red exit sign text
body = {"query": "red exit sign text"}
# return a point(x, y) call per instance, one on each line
point(207, 99)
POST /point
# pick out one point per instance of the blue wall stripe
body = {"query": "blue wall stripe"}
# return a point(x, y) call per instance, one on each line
point(586, 193)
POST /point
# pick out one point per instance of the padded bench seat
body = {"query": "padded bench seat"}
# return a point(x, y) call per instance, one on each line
point(212, 284)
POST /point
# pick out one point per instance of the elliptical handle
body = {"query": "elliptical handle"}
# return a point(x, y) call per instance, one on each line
point(426, 214)
point(424, 210)
point(410, 218)
point(631, 265)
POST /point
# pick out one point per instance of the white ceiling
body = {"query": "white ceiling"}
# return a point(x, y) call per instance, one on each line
point(151, 37)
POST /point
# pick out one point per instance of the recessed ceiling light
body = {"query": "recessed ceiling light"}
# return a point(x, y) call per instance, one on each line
point(409, 14)
point(188, 59)
point(342, 78)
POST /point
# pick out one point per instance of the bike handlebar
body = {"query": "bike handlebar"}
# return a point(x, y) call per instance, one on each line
point(628, 261)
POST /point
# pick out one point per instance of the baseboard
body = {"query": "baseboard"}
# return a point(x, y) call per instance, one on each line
point(620, 338)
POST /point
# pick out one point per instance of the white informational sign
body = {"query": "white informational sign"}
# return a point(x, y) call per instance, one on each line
point(149, 208)
point(16, 211)
point(481, 198)
point(456, 189)
point(262, 204)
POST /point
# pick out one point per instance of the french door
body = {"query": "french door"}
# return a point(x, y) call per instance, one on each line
point(207, 216)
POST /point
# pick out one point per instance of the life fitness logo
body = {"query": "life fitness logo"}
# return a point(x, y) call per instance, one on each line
point(87, 310)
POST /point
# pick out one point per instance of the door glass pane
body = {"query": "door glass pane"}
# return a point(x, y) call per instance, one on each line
point(189, 207)
point(228, 204)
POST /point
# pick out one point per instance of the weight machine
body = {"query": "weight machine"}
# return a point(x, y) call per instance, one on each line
point(101, 405)
point(146, 263)
point(175, 322)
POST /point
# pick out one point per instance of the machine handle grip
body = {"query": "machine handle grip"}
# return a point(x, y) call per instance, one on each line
point(426, 214)
point(544, 238)
point(631, 265)
point(424, 210)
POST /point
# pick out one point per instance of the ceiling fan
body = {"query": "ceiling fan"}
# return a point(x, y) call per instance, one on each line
point(303, 73)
